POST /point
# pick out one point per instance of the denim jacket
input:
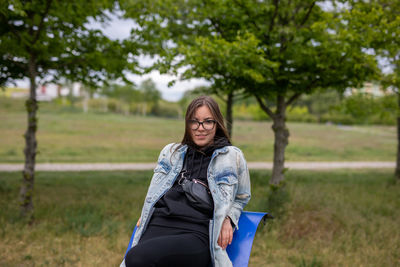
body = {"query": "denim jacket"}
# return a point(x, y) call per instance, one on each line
point(229, 183)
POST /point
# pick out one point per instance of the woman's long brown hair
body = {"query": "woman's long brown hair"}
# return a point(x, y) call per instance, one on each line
point(208, 101)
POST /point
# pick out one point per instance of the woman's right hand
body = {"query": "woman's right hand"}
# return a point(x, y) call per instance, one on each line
point(226, 234)
point(138, 222)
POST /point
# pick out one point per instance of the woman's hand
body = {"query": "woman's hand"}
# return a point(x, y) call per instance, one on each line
point(138, 222)
point(226, 234)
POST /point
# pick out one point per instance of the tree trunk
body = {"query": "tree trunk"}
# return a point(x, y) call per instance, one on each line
point(85, 102)
point(58, 90)
point(26, 192)
point(281, 134)
point(229, 117)
point(71, 94)
point(397, 172)
point(144, 109)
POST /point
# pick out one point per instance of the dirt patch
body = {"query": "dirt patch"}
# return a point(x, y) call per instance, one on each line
point(311, 224)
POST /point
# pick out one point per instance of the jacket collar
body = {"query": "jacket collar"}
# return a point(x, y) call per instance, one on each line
point(183, 148)
point(218, 150)
point(221, 150)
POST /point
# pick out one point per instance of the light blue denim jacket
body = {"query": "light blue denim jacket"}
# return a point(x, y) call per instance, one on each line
point(229, 182)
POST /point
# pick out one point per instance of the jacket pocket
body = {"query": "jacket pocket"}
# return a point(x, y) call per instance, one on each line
point(226, 187)
point(161, 171)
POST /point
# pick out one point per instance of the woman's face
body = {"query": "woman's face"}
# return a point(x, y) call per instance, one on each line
point(202, 134)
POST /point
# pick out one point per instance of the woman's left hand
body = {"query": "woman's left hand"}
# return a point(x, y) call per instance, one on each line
point(226, 234)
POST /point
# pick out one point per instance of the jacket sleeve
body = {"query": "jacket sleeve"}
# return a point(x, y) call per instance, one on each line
point(243, 193)
point(162, 155)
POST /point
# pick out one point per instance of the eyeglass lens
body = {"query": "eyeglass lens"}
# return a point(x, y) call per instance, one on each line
point(207, 125)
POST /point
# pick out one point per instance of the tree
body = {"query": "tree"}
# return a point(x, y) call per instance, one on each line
point(276, 50)
point(150, 94)
point(46, 40)
point(379, 21)
point(126, 92)
point(320, 103)
point(170, 29)
point(222, 71)
point(149, 91)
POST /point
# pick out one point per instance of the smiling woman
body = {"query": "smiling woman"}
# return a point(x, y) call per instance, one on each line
point(200, 123)
point(195, 198)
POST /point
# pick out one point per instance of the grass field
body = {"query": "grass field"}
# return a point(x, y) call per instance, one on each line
point(341, 218)
point(68, 135)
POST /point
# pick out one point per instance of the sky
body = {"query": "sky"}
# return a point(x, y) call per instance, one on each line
point(120, 29)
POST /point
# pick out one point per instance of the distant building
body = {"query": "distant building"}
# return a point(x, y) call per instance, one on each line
point(47, 92)
point(371, 88)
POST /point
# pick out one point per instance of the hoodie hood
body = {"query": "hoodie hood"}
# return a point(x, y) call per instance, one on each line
point(197, 159)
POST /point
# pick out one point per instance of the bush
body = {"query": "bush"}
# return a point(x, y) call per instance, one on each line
point(112, 105)
point(166, 110)
point(383, 118)
point(134, 108)
point(257, 113)
point(365, 109)
point(241, 112)
point(300, 114)
point(98, 104)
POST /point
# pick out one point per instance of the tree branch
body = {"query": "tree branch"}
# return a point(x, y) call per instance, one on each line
point(296, 10)
point(13, 30)
point(21, 65)
point(293, 98)
point(264, 107)
point(44, 15)
point(298, 94)
point(307, 15)
point(272, 23)
point(217, 27)
point(248, 14)
point(240, 95)
point(285, 40)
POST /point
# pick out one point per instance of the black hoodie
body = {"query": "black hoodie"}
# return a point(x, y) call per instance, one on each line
point(174, 209)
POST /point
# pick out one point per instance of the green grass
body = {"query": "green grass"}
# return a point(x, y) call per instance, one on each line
point(67, 135)
point(341, 218)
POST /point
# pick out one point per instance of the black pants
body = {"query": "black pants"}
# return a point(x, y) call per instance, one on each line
point(169, 247)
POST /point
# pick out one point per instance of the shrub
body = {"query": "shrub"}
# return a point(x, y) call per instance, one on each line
point(167, 111)
point(112, 105)
point(257, 113)
point(365, 109)
point(300, 114)
point(98, 104)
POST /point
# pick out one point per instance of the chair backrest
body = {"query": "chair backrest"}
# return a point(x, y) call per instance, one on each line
point(130, 241)
point(242, 242)
point(240, 248)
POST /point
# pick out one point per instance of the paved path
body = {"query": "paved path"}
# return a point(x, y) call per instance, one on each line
point(150, 166)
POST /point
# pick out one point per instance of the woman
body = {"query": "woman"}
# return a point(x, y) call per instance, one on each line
point(176, 227)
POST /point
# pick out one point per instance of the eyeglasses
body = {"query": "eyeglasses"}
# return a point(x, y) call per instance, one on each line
point(207, 124)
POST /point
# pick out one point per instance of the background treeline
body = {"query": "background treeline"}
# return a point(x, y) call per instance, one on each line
point(330, 107)
point(320, 107)
point(143, 100)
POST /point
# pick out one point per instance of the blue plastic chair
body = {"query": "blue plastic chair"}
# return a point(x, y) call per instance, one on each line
point(242, 241)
